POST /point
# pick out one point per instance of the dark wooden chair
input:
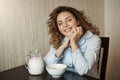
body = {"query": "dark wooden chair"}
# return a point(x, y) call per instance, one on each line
point(103, 56)
point(105, 46)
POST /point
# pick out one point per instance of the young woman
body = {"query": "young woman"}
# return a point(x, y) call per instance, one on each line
point(74, 40)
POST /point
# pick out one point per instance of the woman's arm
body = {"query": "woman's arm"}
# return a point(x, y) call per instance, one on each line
point(61, 49)
point(54, 55)
point(50, 58)
point(77, 34)
point(83, 62)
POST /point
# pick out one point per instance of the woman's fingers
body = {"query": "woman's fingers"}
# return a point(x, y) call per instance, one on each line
point(68, 39)
point(79, 31)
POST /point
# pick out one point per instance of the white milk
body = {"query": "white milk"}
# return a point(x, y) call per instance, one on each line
point(35, 66)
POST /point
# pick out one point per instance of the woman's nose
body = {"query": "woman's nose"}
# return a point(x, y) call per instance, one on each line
point(65, 24)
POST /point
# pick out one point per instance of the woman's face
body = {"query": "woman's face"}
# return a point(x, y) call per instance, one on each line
point(66, 23)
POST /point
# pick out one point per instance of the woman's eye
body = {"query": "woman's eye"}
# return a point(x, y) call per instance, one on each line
point(59, 24)
point(69, 19)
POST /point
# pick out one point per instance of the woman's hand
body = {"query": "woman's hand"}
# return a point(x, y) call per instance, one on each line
point(66, 44)
point(62, 47)
point(77, 33)
point(71, 40)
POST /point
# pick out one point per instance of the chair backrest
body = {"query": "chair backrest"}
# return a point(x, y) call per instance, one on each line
point(104, 48)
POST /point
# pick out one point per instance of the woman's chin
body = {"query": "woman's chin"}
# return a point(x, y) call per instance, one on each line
point(69, 34)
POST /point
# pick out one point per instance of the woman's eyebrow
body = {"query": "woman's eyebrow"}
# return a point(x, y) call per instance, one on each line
point(65, 19)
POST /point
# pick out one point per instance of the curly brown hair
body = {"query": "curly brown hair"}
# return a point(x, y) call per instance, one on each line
point(56, 36)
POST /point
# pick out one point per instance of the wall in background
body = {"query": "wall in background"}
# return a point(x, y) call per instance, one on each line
point(112, 29)
point(22, 29)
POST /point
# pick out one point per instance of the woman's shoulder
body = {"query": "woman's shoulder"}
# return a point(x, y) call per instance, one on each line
point(88, 37)
point(94, 39)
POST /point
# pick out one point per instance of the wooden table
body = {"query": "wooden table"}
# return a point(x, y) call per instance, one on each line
point(21, 73)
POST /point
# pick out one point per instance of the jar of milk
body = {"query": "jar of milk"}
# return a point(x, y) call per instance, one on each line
point(34, 62)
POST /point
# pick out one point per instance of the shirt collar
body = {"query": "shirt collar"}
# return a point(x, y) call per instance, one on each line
point(87, 35)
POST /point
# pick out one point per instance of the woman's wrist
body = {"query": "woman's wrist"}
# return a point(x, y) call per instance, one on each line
point(74, 46)
point(60, 51)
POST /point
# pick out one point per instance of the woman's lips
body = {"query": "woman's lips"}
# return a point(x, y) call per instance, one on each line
point(68, 29)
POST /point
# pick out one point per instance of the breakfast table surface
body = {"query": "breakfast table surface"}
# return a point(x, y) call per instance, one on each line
point(21, 73)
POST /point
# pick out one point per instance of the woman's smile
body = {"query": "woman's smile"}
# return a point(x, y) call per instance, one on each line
point(68, 29)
